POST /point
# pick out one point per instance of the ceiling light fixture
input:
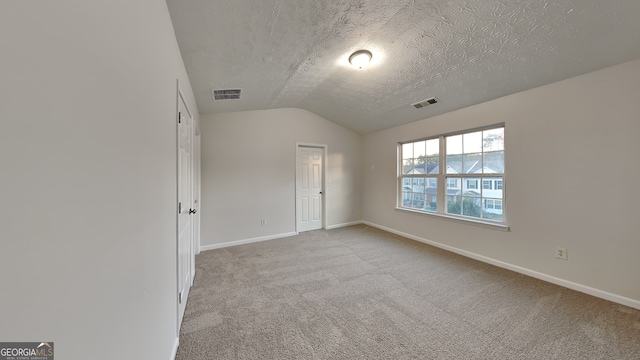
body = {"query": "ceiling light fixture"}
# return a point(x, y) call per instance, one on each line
point(360, 58)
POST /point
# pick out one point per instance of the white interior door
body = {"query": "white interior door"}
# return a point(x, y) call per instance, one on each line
point(310, 188)
point(185, 247)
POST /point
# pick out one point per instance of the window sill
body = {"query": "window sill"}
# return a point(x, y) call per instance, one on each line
point(480, 223)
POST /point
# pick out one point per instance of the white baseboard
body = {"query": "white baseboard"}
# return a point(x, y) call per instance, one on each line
point(245, 241)
point(174, 352)
point(344, 225)
point(535, 274)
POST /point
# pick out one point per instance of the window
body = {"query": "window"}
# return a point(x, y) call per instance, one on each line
point(498, 204)
point(459, 175)
point(420, 164)
point(490, 204)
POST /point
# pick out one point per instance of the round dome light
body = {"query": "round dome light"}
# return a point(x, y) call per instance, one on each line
point(360, 58)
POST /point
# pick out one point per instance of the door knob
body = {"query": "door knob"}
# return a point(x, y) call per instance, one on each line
point(320, 192)
point(192, 211)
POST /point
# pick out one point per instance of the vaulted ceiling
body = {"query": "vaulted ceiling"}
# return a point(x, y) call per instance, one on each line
point(294, 53)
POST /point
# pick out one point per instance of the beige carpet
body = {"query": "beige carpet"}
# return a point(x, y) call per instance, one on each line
point(362, 293)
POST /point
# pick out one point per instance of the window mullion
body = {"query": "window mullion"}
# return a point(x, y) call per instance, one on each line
point(442, 194)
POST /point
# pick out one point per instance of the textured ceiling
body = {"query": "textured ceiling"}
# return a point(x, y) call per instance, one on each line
point(293, 53)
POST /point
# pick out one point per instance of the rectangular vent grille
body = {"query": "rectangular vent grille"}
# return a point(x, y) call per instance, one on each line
point(427, 102)
point(226, 94)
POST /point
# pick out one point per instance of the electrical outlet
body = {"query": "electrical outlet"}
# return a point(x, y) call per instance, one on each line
point(263, 222)
point(561, 253)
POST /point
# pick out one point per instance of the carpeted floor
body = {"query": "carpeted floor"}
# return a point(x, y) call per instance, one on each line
point(362, 293)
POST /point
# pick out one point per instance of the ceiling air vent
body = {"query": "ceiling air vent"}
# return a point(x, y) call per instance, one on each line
point(226, 94)
point(426, 102)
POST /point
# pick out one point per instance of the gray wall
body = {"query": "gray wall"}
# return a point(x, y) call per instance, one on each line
point(248, 173)
point(572, 155)
point(88, 158)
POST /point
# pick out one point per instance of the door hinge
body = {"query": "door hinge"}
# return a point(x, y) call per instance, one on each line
point(179, 208)
point(179, 117)
point(180, 298)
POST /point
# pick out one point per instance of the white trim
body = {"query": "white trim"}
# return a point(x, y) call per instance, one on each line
point(532, 273)
point(460, 219)
point(174, 351)
point(343, 225)
point(245, 241)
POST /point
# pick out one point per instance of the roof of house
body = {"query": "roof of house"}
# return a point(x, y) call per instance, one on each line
point(455, 167)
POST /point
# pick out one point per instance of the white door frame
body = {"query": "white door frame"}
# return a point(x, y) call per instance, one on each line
point(325, 191)
point(196, 172)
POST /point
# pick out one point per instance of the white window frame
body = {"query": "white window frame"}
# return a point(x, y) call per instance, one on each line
point(443, 180)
